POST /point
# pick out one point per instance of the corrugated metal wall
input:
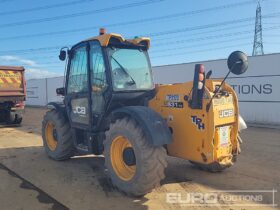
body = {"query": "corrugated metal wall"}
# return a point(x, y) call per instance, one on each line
point(42, 91)
point(258, 89)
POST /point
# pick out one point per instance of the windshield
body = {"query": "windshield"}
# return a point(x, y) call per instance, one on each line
point(130, 69)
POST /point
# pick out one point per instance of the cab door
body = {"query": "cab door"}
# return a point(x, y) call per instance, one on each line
point(77, 97)
point(98, 83)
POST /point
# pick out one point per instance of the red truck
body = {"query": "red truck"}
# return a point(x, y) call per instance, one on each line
point(12, 94)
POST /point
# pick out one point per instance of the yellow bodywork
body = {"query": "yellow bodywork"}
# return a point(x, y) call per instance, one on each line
point(198, 135)
point(105, 39)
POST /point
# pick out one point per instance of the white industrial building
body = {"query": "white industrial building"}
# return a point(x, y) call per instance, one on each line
point(258, 89)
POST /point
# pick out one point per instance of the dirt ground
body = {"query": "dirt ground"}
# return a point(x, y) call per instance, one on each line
point(30, 180)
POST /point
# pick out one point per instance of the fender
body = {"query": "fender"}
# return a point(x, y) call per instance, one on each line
point(242, 124)
point(155, 127)
point(58, 106)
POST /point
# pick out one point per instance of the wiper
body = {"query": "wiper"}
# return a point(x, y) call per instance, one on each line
point(123, 69)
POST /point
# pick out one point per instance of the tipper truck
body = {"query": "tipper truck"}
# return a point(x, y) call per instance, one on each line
point(12, 94)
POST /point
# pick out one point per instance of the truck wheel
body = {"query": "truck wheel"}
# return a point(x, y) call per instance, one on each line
point(18, 120)
point(10, 118)
point(13, 118)
point(56, 134)
point(135, 166)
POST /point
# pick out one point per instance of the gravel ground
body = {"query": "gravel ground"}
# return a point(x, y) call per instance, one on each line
point(30, 180)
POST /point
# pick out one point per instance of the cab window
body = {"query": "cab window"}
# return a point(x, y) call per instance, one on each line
point(78, 76)
point(98, 79)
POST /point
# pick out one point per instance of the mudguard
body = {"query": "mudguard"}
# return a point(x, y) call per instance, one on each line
point(242, 124)
point(58, 106)
point(154, 126)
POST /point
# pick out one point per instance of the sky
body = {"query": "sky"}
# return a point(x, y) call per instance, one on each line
point(181, 31)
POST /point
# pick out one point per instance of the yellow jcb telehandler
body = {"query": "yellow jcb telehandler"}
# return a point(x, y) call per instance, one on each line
point(112, 107)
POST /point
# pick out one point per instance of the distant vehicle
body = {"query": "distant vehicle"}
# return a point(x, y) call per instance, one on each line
point(12, 94)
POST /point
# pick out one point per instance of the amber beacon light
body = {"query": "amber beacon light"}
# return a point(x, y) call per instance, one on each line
point(102, 31)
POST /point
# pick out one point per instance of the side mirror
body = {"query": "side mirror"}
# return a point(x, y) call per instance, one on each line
point(60, 91)
point(62, 55)
point(237, 62)
point(208, 75)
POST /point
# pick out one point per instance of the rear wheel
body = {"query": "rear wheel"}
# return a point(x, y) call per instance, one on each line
point(134, 165)
point(239, 142)
point(57, 136)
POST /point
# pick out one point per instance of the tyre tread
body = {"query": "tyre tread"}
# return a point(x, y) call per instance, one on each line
point(65, 148)
point(153, 159)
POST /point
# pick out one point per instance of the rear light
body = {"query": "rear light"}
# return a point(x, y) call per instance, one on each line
point(19, 104)
point(200, 77)
point(201, 68)
point(198, 87)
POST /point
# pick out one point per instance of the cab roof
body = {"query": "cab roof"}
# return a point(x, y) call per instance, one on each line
point(105, 39)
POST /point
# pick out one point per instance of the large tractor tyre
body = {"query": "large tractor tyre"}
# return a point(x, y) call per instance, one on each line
point(134, 165)
point(213, 167)
point(57, 138)
point(239, 142)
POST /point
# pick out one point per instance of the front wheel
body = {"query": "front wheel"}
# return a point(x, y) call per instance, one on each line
point(56, 134)
point(134, 165)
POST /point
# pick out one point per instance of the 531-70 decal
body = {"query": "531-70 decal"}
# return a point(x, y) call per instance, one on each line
point(173, 101)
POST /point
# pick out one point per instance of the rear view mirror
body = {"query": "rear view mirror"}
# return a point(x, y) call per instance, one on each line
point(237, 62)
point(62, 55)
point(208, 75)
point(60, 91)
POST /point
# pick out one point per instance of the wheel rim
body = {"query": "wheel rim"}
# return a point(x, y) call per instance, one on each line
point(51, 136)
point(122, 170)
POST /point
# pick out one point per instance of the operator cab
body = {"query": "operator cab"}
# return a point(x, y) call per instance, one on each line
point(104, 73)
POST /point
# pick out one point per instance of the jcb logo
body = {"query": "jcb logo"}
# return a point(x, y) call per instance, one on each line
point(79, 110)
point(226, 113)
